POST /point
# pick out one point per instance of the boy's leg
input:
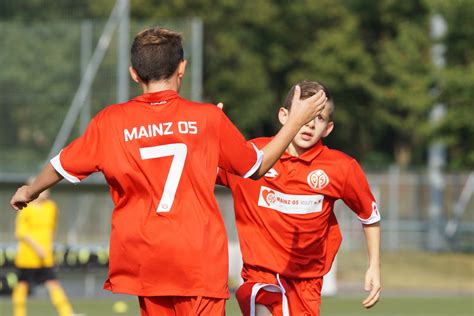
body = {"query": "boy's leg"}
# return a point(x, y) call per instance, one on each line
point(19, 295)
point(58, 298)
point(266, 303)
point(304, 297)
point(181, 305)
point(262, 310)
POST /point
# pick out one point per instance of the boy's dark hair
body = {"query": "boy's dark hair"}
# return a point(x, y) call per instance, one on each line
point(308, 89)
point(156, 54)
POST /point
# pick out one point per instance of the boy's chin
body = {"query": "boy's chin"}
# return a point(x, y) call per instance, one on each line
point(306, 145)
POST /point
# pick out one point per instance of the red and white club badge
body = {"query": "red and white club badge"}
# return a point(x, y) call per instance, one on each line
point(318, 179)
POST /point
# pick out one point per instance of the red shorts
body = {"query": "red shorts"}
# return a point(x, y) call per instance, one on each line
point(181, 305)
point(280, 295)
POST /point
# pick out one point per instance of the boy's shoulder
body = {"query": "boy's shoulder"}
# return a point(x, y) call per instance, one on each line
point(112, 109)
point(337, 154)
point(336, 157)
point(208, 108)
point(260, 142)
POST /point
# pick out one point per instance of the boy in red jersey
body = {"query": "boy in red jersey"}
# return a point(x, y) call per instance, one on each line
point(159, 154)
point(287, 229)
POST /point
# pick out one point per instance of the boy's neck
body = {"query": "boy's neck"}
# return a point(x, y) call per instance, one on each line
point(295, 151)
point(162, 85)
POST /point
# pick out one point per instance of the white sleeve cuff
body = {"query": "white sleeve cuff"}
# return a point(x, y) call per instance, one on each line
point(56, 162)
point(374, 217)
point(257, 164)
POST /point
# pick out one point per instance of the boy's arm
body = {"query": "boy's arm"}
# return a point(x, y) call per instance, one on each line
point(372, 276)
point(302, 111)
point(27, 193)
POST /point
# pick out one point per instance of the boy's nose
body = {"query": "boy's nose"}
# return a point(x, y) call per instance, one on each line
point(310, 124)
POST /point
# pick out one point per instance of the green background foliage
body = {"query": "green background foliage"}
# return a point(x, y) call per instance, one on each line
point(375, 57)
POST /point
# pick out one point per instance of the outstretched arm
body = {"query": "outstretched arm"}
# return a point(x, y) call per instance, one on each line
point(372, 276)
point(302, 111)
point(27, 193)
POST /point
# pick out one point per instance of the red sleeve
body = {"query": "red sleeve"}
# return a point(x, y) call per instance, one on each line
point(81, 157)
point(236, 155)
point(357, 195)
point(222, 177)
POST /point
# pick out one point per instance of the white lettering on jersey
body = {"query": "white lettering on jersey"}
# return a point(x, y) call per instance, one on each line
point(167, 129)
point(187, 127)
point(290, 203)
point(272, 173)
point(160, 129)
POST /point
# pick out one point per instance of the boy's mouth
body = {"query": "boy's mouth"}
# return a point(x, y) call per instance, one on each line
point(306, 136)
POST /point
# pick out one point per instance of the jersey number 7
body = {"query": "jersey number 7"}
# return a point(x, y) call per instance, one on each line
point(179, 152)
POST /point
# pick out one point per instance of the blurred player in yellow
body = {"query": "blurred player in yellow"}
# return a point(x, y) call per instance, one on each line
point(35, 225)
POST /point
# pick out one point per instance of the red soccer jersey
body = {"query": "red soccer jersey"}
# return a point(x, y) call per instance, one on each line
point(285, 220)
point(159, 154)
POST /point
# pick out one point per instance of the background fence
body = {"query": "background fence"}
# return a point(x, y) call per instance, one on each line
point(85, 213)
point(404, 202)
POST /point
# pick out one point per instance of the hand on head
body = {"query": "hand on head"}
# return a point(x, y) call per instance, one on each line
point(306, 110)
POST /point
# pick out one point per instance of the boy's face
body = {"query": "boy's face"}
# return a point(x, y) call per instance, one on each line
point(310, 133)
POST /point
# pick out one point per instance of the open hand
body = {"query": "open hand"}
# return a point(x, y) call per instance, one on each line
point(373, 286)
point(306, 110)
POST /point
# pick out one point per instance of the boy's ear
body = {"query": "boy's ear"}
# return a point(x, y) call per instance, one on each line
point(182, 68)
point(134, 74)
point(283, 115)
point(328, 129)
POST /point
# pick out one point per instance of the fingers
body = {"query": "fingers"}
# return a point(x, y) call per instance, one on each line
point(17, 205)
point(320, 96)
point(320, 99)
point(220, 105)
point(372, 298)
point(296, 95)
point(19, 200)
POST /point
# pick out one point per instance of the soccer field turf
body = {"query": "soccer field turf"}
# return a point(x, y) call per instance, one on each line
point(429, 306)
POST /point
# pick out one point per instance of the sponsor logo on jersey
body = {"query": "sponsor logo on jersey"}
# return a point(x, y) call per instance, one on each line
point(272, 173)
point(290, 203)
point(318, 179)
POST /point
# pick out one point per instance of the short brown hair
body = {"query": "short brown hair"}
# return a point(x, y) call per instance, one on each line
point(308, 89)
point(156, 54)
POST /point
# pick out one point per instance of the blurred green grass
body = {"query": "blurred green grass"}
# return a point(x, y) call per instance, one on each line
point(414, 284)
point(391, 306)
point(422, 272)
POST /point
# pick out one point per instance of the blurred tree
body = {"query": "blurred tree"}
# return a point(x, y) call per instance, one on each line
point(397, 36)
point(256, 50)
point(373, 55)
point(330, 49)
point(36, 87)
point(457, 82)
point(45, 9)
